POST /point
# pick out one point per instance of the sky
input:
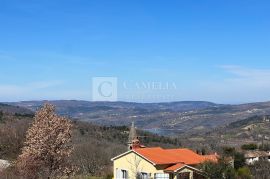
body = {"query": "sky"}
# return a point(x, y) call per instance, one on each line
point(158, 51)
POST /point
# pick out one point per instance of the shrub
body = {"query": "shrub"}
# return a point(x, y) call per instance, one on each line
point(249, 146)
point(244, 173)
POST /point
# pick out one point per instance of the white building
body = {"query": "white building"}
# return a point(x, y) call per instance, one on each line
point(4, 164)
point(253, 156)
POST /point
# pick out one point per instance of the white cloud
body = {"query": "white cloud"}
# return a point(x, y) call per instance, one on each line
point(251, 77)
point(9, 91)
point(242, 85)
point(247, 72)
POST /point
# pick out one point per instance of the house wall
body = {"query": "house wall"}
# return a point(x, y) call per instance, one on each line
point(133, 163)
point(250, 161)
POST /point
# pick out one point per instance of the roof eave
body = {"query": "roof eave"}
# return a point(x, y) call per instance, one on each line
point(121, 155)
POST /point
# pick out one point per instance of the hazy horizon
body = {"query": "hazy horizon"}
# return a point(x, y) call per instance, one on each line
point(44, 100)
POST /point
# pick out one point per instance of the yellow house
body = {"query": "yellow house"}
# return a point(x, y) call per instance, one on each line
point(159, 163)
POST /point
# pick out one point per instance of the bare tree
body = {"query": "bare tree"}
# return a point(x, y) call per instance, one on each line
point(135, 167)
point(90, 159)
point(47, 147)
point(12, 134)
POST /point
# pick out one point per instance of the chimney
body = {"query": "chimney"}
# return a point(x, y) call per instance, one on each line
point(133, 141)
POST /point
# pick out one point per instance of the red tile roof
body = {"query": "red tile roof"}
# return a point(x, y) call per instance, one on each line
point(159, 156)
point(213, 157)
point(175, 167)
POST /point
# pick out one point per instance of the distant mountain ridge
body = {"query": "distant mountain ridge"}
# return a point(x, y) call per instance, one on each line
point(178, 106)
point(13, 109)
point(172, 117)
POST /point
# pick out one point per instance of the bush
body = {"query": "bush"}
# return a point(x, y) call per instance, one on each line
point(244, 173)
point(249, 147)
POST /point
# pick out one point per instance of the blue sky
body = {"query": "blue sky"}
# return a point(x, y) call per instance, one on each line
point(215, 50)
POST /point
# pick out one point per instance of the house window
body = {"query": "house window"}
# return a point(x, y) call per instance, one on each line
point(121, 174)
point(162, 176)
point(124, 174)
point(144, 175)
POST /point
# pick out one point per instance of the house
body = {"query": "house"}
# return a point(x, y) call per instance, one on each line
point(252, 156)
point(4, 164)
point(158, 163)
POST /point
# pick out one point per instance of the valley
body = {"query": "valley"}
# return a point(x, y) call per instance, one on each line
point(172, 118)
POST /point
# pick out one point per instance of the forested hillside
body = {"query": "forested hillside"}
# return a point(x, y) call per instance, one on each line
point(94, 145)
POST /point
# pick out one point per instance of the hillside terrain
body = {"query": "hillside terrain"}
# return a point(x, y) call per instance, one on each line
point(162, 118)
point(252, 130)
point(94, 145)
point(13, 109)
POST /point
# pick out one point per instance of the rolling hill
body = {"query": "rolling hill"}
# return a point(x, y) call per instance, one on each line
point(162, 118)
point(13, 109)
